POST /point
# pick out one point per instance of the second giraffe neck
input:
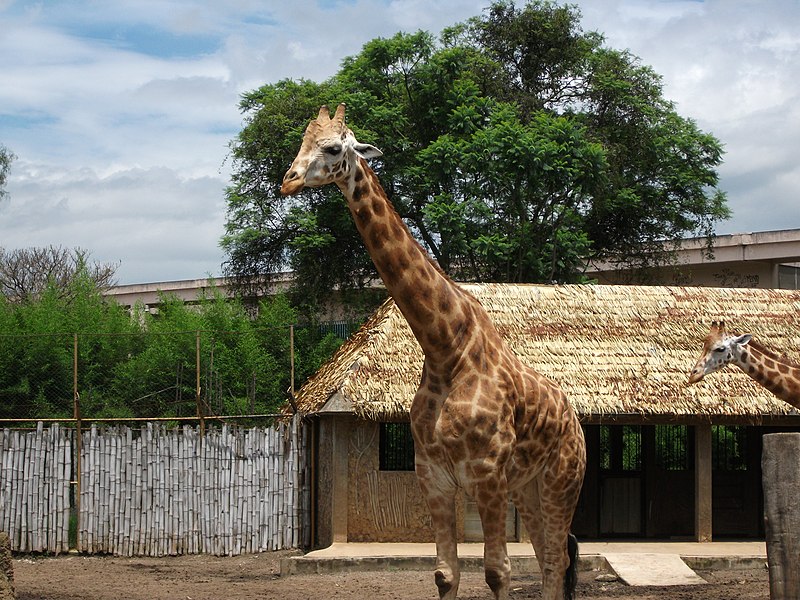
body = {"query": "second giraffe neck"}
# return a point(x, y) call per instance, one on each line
point(428, 299)
point(780, 377)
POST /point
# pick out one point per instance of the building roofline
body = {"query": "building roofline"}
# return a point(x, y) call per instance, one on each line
point(776, 247)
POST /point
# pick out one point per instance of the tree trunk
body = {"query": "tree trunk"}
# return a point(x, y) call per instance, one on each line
point(780, 466)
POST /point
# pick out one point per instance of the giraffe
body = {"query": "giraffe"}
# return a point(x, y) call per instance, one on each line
point(779, 375)
point(481, 420)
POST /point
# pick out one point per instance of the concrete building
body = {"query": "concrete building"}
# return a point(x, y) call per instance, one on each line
point(766, 260)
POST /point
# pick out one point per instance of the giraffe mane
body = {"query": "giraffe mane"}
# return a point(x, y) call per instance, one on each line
point(425, 253)
point(782, 358)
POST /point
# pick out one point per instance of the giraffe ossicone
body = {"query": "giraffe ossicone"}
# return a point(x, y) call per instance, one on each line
point(482, 421)
point(778, 374)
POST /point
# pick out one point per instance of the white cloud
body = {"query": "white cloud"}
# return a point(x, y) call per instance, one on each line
point(121, 113)
point(148, 220)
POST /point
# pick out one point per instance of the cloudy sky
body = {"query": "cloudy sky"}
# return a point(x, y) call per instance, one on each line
point(120, 112)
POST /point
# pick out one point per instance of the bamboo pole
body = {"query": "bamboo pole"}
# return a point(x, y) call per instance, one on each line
point(64, 486)
point(22, 498)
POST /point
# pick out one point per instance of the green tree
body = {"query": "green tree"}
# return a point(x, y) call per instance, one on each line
point(6, 158)
point(25, 273)
point(140, 364)
point(517, 148)
point(37, 342)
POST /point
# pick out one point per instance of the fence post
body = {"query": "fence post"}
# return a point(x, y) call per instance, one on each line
point(290, 391)
point(291, 358)
point(198, 401)
point(76, 409)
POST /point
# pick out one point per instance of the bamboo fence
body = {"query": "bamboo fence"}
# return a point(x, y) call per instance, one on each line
point(156, 492)
point(35, 474)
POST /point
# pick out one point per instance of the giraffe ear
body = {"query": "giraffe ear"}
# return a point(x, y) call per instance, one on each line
point(367, 150)
point(743, 339)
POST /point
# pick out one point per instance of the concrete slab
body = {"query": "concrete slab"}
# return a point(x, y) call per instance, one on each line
point(397, 556)
point(652, 569)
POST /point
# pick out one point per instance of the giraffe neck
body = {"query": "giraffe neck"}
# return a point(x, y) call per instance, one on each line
point(437, 310)
point(776, 374)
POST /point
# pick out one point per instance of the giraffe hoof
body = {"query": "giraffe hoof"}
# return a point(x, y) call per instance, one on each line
point(497, 582)
point(442, 583)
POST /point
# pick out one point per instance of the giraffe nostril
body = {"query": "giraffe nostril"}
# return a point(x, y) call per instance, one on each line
point(290, 175)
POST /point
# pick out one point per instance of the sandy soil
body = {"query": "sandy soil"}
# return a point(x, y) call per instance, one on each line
point(201, 577)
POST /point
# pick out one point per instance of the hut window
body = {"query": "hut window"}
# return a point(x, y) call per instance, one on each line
point(396, 447)
point(671, 447)
point(788, 277)
point(729, 447)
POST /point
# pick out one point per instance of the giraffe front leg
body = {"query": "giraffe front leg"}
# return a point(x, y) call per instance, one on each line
point(492, 500)
point(440, 496)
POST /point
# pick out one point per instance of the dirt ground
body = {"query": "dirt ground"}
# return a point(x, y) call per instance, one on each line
point(202, 577)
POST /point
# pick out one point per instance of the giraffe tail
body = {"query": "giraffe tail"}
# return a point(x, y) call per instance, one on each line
point(571, 576)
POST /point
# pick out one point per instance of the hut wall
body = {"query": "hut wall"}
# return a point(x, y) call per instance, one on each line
point(385, 506)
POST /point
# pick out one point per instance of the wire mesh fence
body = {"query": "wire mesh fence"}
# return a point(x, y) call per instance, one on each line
point(146, 376)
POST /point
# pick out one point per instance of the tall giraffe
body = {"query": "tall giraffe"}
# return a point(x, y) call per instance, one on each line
point(778, 374)
point(481, 420)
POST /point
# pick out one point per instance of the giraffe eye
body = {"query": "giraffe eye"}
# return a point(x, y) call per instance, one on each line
point(720, 349)
point(333, 150)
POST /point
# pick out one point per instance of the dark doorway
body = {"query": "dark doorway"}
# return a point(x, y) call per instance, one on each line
point(620, 481)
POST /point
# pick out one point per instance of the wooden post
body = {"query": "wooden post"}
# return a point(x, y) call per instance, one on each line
point(290, 391)
point(198, 402)
point(780, 468)
point(340, 473)
point(702, 483)
point(291, 360)
point(76, 410)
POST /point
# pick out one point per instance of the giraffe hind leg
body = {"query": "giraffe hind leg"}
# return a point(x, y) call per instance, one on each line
point(492, 500)
point(555, 548)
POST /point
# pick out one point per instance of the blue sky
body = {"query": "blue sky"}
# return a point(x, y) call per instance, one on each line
point(121, 112)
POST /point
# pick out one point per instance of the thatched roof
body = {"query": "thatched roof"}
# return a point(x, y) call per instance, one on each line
point(615, 350)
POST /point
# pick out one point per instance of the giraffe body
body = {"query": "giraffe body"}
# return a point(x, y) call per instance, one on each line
point(481, 420)
point(777, 374)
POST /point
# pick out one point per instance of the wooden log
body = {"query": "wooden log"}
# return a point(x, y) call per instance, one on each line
point(6, 568)
point(780, 465)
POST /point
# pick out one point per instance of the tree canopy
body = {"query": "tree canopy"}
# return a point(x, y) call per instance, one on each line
point(26, 273)
point(517, 147)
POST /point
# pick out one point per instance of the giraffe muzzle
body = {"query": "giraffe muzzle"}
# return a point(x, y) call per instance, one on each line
point(696, 375)
point(292, 184)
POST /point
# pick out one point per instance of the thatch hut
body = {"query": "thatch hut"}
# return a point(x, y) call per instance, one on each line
point(666, 459)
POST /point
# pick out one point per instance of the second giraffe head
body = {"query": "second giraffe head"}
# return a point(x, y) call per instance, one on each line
point(719, 349)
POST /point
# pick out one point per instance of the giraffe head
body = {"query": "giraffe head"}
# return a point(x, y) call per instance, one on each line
point(328, 153)
point(719, 349)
